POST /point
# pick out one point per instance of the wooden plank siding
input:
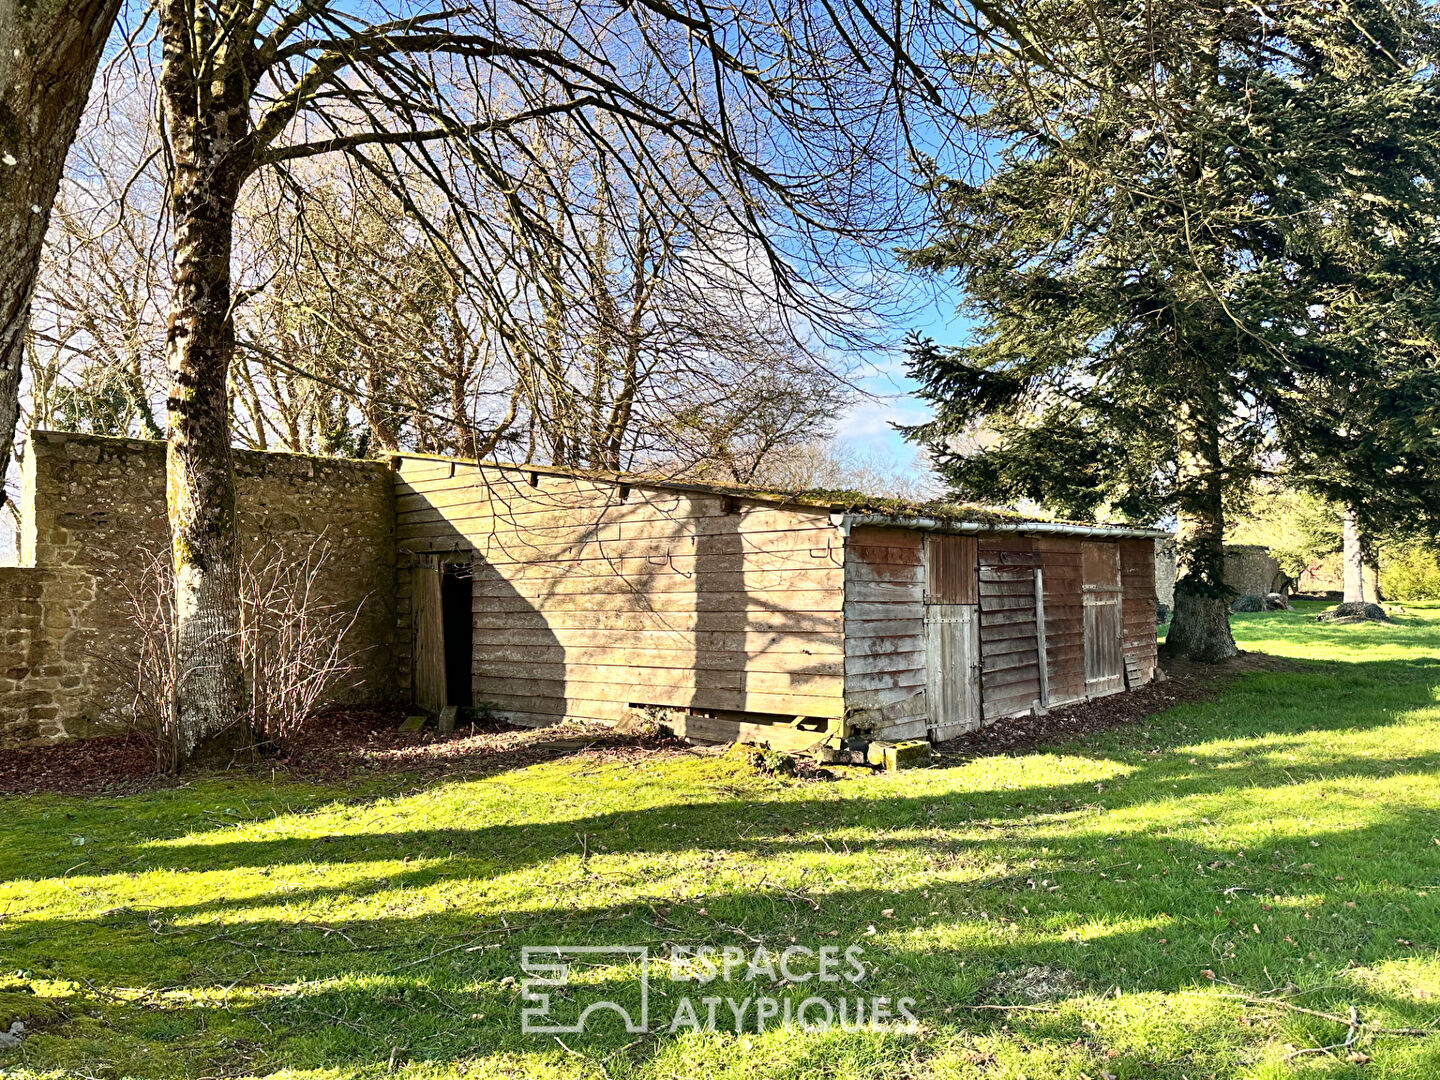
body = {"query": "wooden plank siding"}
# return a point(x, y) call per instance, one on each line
point(591, 595)
point(427, 665)
point(885, 632)
point(1064, 618)
point(1104, 655)
point(1138, 638)
point(952, 686)
point(1009, 642)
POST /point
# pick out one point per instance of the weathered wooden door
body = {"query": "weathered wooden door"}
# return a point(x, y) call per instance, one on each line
point(1104, 657)
point(952, 673)
point(428, 658)
point(952, 636)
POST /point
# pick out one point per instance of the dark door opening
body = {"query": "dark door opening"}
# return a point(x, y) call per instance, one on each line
point(457, 590)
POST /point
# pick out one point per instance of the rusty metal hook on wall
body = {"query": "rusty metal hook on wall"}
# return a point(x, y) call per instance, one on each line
point(828, 553)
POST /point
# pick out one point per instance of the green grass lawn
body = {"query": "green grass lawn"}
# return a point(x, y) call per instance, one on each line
point(1191, 885)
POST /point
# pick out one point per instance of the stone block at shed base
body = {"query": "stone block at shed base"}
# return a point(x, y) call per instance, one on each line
point(899, 755)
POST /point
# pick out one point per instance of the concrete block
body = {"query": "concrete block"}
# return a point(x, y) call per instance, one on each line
point(899, 755)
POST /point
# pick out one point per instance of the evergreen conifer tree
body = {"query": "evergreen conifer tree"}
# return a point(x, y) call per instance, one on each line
point(1188, 233)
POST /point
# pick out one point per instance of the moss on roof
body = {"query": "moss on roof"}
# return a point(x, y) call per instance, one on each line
point(835, 500)
point(859, 502)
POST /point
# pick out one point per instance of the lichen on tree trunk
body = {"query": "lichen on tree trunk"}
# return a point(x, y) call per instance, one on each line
point(208, 121)
point(200, 478)
point(1200, 627)
point(49, 50)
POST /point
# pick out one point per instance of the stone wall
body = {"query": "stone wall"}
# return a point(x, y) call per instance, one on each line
point(1251, 570)
point(1165, 572)
point(92, 511)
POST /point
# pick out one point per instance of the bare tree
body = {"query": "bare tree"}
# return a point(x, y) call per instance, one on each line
point(361, 335)
point(736, 416)
point(834, 465)
point(96, 346)
point(618, 340)
point(792, 106)
point(643, 329)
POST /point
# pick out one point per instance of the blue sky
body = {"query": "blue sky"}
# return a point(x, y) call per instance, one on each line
point(866, 428)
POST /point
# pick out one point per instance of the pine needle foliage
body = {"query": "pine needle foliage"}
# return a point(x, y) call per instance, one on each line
point(1198, 223)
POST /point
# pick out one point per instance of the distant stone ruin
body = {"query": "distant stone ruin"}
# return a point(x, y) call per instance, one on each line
point(1250, 570)
point(1269, 602)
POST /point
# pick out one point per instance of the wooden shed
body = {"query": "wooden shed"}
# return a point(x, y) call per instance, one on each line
point(541, 594)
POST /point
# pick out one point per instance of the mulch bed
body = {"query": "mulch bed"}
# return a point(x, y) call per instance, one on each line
point(1022, 734)
point(108, 763)
point(339, 745)
point(1187, 682)
point(356, 742)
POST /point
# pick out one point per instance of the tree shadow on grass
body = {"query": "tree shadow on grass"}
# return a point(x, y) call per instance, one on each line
point(445, 985)
point(1118, 886)
point(1049, 891)
point(1246, 740)
point(752, 826)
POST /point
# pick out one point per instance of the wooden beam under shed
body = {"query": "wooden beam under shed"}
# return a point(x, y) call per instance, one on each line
point(710, 729)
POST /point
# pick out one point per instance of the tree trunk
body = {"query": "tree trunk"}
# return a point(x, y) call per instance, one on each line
point(1200, 628)
point(1353, 559)
point(49, 50)
point(200, 475)
point(206, 122)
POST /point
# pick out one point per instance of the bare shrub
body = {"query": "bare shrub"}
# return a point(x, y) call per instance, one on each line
point(293, 643)
point(294, 646)
point(149, 592)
